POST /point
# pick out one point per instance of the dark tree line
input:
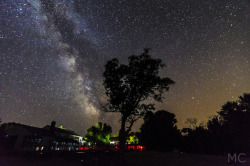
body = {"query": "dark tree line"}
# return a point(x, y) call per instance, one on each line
point(159, 131)
point(228, 131)
point(128, 87)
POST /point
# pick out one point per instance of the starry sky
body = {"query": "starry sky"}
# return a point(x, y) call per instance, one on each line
point(52, 56)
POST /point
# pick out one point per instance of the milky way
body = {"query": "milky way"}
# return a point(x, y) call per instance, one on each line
point(52, 55)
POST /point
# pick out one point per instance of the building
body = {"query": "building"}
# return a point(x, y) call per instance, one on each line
point(114, 140)
point(28, 138)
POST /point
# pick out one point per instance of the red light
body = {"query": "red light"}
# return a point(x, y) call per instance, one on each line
point(136, 147)
point(80, 148)
point(86, 148)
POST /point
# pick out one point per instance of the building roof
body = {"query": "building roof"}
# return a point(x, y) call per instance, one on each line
point(62, 131)
point(32, 130)
point(45, 131)
point(60, 135)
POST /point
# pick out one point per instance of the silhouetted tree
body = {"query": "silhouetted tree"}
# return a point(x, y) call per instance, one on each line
point(7, 126)
point(194, 137)
point(129, 86)
point(236, 123)
point(226, 132)
point(2, 129)
point(191, 122)
point(216, 138)
point(99, 135)
point(133, 137)
point(5, 142)
point(159, 131)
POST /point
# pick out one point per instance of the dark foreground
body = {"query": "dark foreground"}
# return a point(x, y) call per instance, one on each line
point(113, 159)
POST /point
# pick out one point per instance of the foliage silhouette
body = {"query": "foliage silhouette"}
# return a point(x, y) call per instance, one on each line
point(191, 122)
point(228, 131)
point(133, 138)
point(159, 131)
point(235, 117)
point(129, 86)
point(99, 135)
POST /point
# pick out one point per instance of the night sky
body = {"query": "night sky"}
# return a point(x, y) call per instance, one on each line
point(52, 56)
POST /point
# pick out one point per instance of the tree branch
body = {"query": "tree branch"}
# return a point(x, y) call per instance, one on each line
point(132, 121)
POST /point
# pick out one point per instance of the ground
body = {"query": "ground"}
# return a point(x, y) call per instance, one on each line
point(147, 158)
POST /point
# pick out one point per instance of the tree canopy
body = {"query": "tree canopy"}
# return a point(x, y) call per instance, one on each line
point(129, 86)
point(228, 131)
point(133, 138)
point(159, 131)
point(235, 117)
point(99, 135)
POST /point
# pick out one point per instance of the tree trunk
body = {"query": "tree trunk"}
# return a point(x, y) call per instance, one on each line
point(122, 136)
point(122, 142)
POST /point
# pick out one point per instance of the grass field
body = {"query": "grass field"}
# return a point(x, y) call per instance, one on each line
point(112, 159)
